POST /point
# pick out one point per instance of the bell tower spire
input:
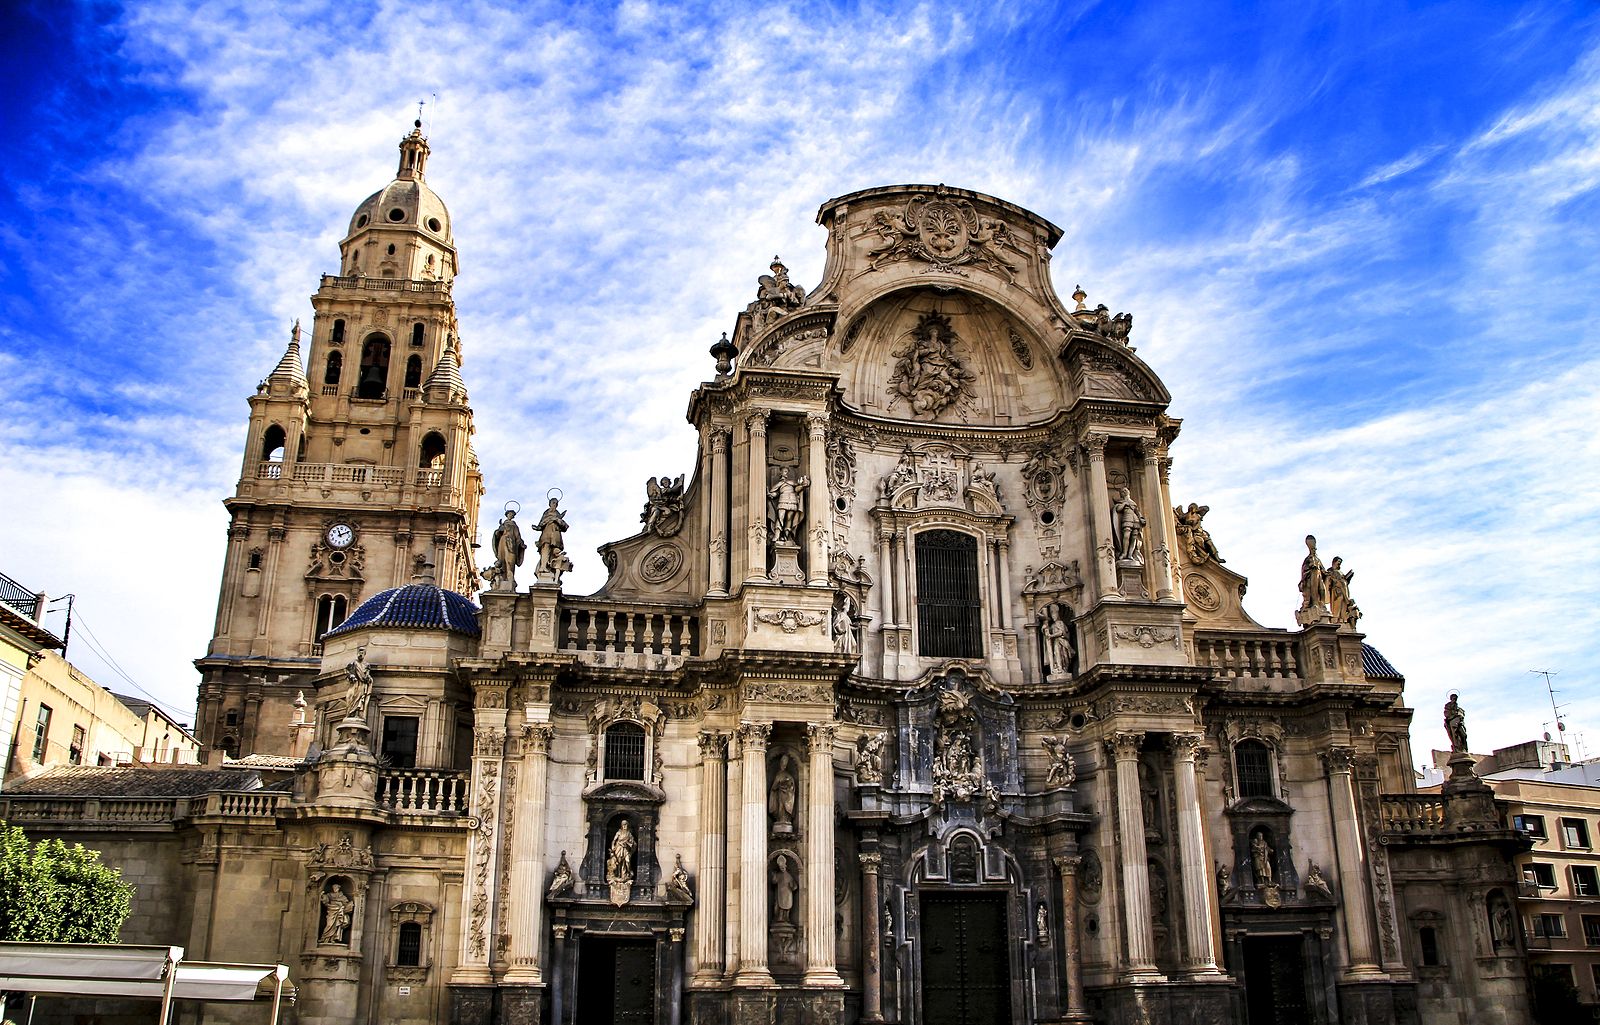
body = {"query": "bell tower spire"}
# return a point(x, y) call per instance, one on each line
point(413, 153)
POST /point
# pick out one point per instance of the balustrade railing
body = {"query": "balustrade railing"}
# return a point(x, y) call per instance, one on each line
point(1412, 813)
point(350, 473)
point(1248, 656)
point(117, 810)
point(383, 284)
point(628, 630)
point(244, 803)
point(423, 791)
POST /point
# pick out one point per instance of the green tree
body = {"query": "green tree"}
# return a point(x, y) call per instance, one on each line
point(52, 893)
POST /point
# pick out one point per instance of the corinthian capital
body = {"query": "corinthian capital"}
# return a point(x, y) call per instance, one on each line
point(713, 744)
point(756, 421)
point(1125, 745)
point(820, 735)
point(1186, 745)
point(536, 737)
point(1339, 759)
point(753, 736)
point(1094, 444)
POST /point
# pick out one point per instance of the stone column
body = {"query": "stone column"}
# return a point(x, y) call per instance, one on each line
point(1352, 864)
point(1105, 550)
point(871, 941)
point(820, 952)
point(733, 858)
point(886, 620)
point(478, 896)
point(1002, 553)
point(756, 514)
point(527, 859)
point(1200, 955)
point(675, 986)
point(1156, 517)
point(558, 962)
point(753, 737)
point(1135, 876)
point(817, 511)
point(718, 486)
point(1071, 951)
point(708, 962)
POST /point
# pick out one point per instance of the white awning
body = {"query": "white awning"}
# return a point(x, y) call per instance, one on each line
point(111, 970)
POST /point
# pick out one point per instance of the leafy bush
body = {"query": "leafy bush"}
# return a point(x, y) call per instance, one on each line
point(52, 893)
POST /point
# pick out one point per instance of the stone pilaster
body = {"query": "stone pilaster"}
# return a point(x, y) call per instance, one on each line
point(756, 513)
point(753, 737)
point(817, 513)
point(527, 861)
point(1198, 929)
point(1141, 965)
point(1157, 516)
point(871, 941)
point(719, 491)
point(1104, 549)
point(712, 881)
point(479, 890)
point(1352, 865)
point(886, 606)
point(820, 954)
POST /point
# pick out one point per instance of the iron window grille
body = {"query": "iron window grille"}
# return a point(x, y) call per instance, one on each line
point(1253, 760)
point(949, 612)
point(625, 751)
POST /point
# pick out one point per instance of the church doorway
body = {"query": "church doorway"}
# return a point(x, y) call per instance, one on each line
point(616, 980)
point(1275, 980)
point(966, 969)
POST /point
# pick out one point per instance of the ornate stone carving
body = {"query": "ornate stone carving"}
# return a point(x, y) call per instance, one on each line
point(1146, 636)
point(562, 880)
point(1194, 537)
point(754, 735)
point(678, 884)
point(1339, 759)
point(958, 759)
point(1125, 744)
point(713, 745)
point(1063, 771)
point(1091, 878)
point(661, 563)
point(869, 758)
point(1315, 884)
point(1044, 484)
point(1019, 348)
point(663, 506)
point(1200, 593)
point(929, 376)
point(789, 620)
point(786, 497)
point(945, 232)
point(1100, 321)
point(841, 456)
point(776, 296)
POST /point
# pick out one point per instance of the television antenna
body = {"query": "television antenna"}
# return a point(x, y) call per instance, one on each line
point(1555, 709)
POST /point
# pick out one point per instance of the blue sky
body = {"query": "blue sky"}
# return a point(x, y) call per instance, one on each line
point(1358, 242)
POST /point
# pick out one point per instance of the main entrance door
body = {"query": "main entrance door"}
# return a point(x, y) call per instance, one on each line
point(616, 980)
point(1275, 980)
point(966, 966)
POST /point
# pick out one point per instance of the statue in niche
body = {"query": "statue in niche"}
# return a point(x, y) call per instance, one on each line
point(359, 692)
point(957, 768)
point(1502, 926)
point(1313, 585)
point(1261, 859)
point(337, 909)
point(1455, 724)
point(1196, 538)
point(845, 641)
point(1316, 884)
point(1041, 924)
point(786, 506)
point(619, 864)
point(869, 758)
point(1337, 584)
point(1062, 772)
point(1150, 805)
point(562, 881)
point(1224, 878)
point(678, 884)
point(781, 798)
point(928, 375)
point(509, 549)
point(663, 507)
point(1158, 894)
point(553, 559)
point(1057, 637)
point(1128, 526)
point(784, 888)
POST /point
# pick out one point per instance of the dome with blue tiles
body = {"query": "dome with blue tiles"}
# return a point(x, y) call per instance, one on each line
point(416, 606)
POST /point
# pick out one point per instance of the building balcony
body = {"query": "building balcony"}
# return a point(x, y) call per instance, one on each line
point(356, 474)
point(1270, 655)
point(367, 284)
point(1412, 814)
point(423, 791)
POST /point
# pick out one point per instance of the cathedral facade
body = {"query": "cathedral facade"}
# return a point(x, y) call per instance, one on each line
point(919, 699)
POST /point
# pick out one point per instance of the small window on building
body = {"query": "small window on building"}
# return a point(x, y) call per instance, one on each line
point(949, 615)
point(625, 751)
point(1575, 833)
point(335, 365)
point(338, 332)
point(75, 752)
point(1584, 881)
point(1428, 940)
point(255, 559)
point(272, 444)
point(332, 609)
point(1591, 930)
point(414, 372)
point(1543, 876)
point(400, 740)
point(408, 954)
point(1549, 926)
point(416, 332)
point(41, 734)
point(1533, 825)
point(1253, 759)
point(431, 456)
point(1594, 974)
point(232, 718)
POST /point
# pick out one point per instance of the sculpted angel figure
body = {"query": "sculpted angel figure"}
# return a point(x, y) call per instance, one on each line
point(562, 880)
point(869, 757)
point(1129, 527)
point(1062, 772)
point(552, 544)
point(663, 507)
point(1196, 538)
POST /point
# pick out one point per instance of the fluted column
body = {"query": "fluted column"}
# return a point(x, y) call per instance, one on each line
point(527, 858)
point(1352, 863)
point(1135, 873)
point(817, 511)
point(1156, 516)
point(871, 942)
point(886, 620)
point(733, 858)
point(478, 892)
point(1071, 949)
point(820, 944)
point(1105, 550)
point(756, 511)
point(717, 486)
point(708, 960)
point(753, 737)
point(1200, 955)
point(1002, 555)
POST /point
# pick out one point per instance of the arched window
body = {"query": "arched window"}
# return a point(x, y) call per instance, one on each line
point(625, 751)
point(416, 333)
point(272, 444)
point(414, 372)
point(332, 609)
point(374, 381)
point(432, 454)
point(1428, 940)
point(335, 365)
point(949, 618)
point(1252, 761)
point(408, 953)
point(338, 332)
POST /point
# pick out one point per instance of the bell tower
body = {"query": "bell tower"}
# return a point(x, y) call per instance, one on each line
point(358, 466)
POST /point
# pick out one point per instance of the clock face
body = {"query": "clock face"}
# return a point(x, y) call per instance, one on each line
point(341, 534)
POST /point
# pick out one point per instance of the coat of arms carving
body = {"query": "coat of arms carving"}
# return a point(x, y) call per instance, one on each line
point(947, 233)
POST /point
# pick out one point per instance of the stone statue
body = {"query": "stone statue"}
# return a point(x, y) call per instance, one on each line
point(983, 480)
point(1158, 895)
point(1261, 859)
point(776, 295)
point(509, 549)
point(1223, 879)
point(844, 627)
point(552, 545)
point(1337, 584)
point(663, 507)
point(784, 887)
point(1196, 539)
point(780, 799)
point(1313, 585)
point(678, 884)
point(785, 496)
point(928, 373)
point(1041, 924)
point(619, 864)
point(905, 472)
point(1128, 526)
point(1455, 724)
point(1057, 638)
point(1316, 884)
point(562, 880)
point(1501, 925)
point(359, 693)
point(337, 908)
point(869, 757)
point(1063, 773)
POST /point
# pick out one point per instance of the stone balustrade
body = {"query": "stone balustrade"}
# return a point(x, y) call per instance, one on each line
point(383, 284)
point(1262, 656)
point(244, 803)
point(626, 630)
point(423, 791)
point(1412, 813)
point(353, 474)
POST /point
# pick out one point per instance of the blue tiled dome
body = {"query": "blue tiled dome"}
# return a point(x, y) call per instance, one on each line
point(414, 607)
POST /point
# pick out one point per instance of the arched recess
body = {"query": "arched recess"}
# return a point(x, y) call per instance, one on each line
point(430, 455)
point(334, 369)
point(373, 381)
point(414, 372)
point(272, 444)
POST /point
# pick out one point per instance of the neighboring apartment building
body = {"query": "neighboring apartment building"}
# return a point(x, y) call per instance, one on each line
point(22, 637)
point(165, 740)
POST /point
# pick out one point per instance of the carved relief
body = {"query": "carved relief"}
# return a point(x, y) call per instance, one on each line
point(1044, 484)
point(789, 620)
point(1019, 348)
point(928, 375)
point(947, 233)
point(1200, 593)
point(1145, 636)
point(661, 563)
